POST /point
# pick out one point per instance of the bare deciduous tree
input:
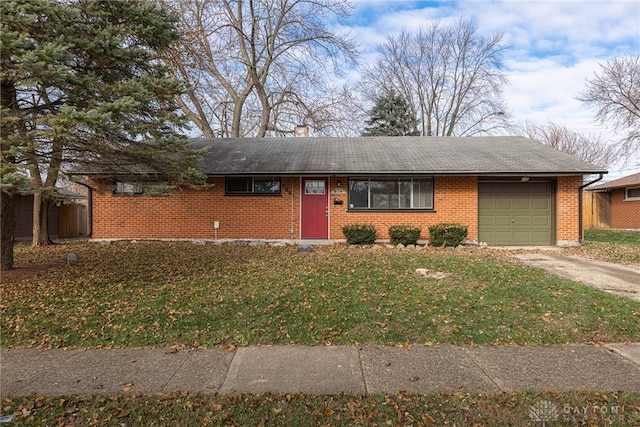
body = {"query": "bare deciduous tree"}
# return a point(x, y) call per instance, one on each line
point(591, 148)
point(252, 67)
point(450, 74)
point(615, 95)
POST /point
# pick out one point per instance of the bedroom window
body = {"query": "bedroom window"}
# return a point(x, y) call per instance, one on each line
point(391, 193)
point(252, 185)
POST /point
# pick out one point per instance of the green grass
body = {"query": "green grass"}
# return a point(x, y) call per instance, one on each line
point(455, 408)
point(611, 245)
point(613, 237)
point(156, 294)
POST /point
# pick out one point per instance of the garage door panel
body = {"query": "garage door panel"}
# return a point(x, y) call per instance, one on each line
point(541, 221)
point(503, 237)
point(485, 204)
point(515, 213)
point(522, 204)
point(542, 204)
point(537, 189)
point(502, 204)
point(521, 221)
point(485, 222)
point(540, 237)
point(502, 220)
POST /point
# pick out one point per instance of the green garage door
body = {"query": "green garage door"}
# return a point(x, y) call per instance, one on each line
point(515, 213)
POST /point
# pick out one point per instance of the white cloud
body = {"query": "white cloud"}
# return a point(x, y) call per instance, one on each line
point(544, 90)
point(554, 46)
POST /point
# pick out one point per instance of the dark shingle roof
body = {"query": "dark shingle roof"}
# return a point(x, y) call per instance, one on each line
point(387, 155)
point(627, 181)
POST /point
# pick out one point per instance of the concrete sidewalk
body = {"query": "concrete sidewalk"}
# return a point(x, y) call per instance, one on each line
point(321, 369)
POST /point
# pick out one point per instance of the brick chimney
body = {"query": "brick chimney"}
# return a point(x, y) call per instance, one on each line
point(301, 131)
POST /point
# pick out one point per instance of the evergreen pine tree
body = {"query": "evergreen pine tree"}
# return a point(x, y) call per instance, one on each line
point(82, 84)
point(391, 116)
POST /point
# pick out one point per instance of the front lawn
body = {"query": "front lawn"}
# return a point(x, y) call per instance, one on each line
point(624, 237)
point(157, 294)
point(451, 409)
point(611, 245)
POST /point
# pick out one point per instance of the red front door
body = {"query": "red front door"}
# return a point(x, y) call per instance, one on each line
point(315, 208)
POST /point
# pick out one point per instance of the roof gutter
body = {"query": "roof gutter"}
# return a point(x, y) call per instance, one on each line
point(580, 231)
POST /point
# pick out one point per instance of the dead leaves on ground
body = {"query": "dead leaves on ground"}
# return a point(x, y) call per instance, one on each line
point(451, 408)
point(161, 293)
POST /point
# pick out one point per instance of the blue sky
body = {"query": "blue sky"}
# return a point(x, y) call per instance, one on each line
point(554, 47)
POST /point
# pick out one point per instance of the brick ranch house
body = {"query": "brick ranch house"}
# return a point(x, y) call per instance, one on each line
point(622, 197)
point(507, 190)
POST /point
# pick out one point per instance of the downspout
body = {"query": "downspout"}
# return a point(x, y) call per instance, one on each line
point(89, 208)
point(291, 232)
point(580, 205)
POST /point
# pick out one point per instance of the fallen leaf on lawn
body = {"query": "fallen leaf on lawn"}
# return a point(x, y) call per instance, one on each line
point(428, 418)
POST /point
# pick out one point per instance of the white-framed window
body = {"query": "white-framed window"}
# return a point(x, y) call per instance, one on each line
point(246, 185)
point(632, 193)
point(391, 193)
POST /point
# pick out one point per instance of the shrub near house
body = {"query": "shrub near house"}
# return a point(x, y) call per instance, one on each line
point(404, 234)
point(359, 234)
point(447, 234)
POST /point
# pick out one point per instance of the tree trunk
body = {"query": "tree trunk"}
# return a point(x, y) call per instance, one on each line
point(7, 226)
point(40, 221)
point(8, 100)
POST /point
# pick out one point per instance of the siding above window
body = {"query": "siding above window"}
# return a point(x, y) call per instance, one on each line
point(391, 193)
point(632, 193)
point(247, 185)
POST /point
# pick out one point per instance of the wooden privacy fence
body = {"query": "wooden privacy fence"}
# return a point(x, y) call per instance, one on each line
point(596, 209)
point(72, 221)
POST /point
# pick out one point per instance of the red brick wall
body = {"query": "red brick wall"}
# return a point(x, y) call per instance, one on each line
point(567, 208)
point(190, 214)
point(455, 200)
point(625, 214)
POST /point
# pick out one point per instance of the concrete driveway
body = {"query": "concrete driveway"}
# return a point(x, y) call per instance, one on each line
point(617, 279)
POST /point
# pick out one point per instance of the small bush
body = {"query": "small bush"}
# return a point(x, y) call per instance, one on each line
point(442, 235)
point(404, 234)
point(359, 234)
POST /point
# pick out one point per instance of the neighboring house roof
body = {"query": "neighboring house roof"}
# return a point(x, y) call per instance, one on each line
point(627, 181)
point(70, 194)
point(388, 155)
point(60, 193)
